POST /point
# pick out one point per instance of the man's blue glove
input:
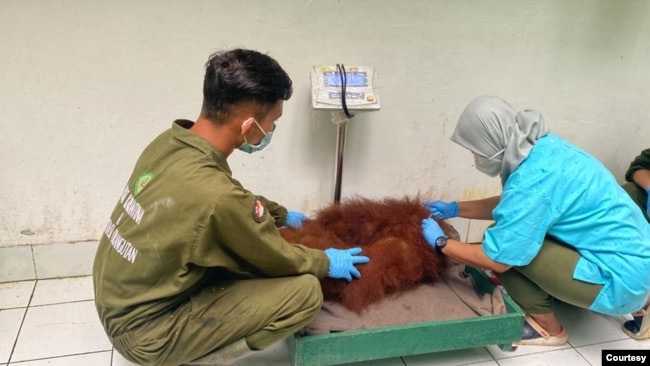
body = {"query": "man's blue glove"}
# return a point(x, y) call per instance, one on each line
point(295, 219)
point(442, 210)
point(431, 231)
point(342, 262)
point(648, 208)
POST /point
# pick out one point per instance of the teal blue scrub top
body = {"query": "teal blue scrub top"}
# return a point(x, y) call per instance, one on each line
point(562, 191)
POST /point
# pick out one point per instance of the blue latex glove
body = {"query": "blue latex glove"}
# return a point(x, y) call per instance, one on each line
point(431, 231)
point(648, 208)
point(442, 210)
point(295, 219)
point(342, 262)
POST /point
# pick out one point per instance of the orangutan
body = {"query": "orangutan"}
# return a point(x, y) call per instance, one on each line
point(389, 232)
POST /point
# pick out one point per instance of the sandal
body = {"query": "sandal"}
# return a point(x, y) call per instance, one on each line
point(535, 335)
point(639, 327)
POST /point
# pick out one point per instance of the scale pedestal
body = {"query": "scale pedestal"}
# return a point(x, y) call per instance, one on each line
point(358, 86)
point(340, 120)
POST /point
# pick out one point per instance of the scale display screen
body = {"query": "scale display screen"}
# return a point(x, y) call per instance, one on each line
point(354, 79)
point(361, 82)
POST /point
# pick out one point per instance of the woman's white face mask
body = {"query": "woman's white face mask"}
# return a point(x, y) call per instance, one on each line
point(490, 166)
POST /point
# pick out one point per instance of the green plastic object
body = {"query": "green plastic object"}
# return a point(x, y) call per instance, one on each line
point(413, 339)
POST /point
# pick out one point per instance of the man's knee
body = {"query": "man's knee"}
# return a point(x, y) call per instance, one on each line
point(310, 291)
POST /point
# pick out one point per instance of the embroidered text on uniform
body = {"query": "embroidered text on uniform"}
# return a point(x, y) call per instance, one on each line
point(131, 206)
point(121, 245)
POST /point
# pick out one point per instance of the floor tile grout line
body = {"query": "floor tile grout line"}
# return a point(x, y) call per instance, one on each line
point(491, 355)
point(63, 356)
point(31, 249)
point(623, 338)
point(581, 355)
point(550, 349)
point(61, 303)
point(29, 305)
point(478, 362)
point(17, 281)
point(525, 355)
point(22, 322)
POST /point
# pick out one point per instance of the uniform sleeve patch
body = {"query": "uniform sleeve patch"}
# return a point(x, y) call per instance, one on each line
point(141, 182)
point(259, 211)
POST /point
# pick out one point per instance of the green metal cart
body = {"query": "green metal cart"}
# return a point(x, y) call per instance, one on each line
point(412, 339)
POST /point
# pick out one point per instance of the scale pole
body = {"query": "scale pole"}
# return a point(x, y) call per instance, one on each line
point(338, 164)
point(340, 120)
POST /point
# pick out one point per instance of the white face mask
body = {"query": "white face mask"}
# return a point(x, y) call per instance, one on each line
point(490, 166)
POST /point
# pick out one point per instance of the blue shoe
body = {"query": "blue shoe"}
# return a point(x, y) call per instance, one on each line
point(639, 326)
point(535, 335)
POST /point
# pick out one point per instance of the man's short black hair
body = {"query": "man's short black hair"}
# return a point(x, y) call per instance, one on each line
point(242, 76)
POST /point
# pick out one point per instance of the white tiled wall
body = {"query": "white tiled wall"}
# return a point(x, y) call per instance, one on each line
point(470, 231)
point(16, 264)
point(476, 229)
point(31, 262)
point(64, 260)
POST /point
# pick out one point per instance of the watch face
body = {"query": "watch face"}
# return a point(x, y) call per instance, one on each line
point(441, 241)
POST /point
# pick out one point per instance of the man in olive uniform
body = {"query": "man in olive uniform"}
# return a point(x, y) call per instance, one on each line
point(191, 268)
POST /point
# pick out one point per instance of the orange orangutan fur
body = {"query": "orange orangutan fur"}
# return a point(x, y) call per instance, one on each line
point(389, 232)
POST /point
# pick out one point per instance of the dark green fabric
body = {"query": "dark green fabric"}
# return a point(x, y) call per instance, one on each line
point(181, 215)
point(548, 276)
point(261, 311)
point(640, 162)
point(638, 194)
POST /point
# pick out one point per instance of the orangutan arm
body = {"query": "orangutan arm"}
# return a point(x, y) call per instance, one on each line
point(478, 209)
point(472, 255)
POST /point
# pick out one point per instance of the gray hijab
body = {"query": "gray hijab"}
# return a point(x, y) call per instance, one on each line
point(489, 125)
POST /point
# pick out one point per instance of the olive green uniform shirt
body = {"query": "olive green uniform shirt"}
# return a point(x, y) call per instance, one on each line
point(180, 218)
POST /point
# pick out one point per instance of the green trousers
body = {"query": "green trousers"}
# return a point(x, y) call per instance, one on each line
point(639, 195)
point(261, 311)
point(548, 276)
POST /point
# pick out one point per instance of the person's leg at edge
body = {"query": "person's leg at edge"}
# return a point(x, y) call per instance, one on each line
point(639, 326)
point(305, 307)
point(548, 276)
point(225, 321)
point(258, 313)
point(534, 301)
point(633, 327)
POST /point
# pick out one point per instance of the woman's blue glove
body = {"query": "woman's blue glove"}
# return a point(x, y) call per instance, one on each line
point(442, 210)
point(648, 208)
point(431, 231)
point(295, 219)
point(342, 262)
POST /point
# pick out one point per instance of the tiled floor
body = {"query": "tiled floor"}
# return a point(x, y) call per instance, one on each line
point(53, 322)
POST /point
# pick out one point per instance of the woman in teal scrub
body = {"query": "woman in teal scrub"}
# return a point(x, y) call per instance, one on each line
point(564, 228)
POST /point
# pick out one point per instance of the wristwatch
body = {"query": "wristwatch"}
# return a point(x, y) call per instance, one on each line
point(440, 243)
